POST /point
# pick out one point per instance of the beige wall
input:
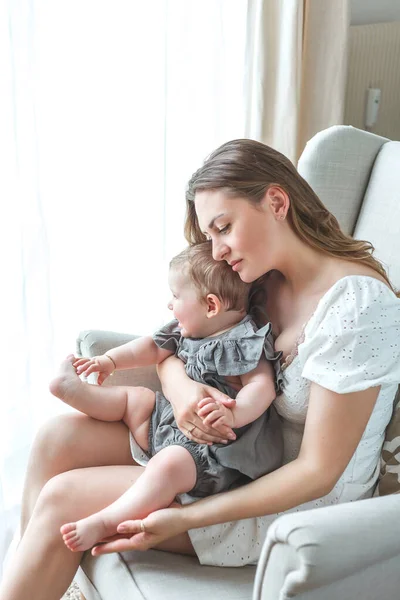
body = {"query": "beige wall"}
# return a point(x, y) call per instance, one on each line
point(374, 11)
point(374, 61)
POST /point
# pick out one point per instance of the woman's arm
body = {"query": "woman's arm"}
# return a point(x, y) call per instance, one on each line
point(252, 401)
point(184, 394)
point(334, 426)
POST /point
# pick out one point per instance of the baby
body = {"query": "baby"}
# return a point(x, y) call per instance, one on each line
point(220, 346)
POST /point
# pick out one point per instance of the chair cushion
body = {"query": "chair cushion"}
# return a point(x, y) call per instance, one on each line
point(154, 575)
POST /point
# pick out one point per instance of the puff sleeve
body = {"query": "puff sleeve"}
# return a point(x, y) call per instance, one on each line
point(168, 337)
point(352, 342)
point(237, 356)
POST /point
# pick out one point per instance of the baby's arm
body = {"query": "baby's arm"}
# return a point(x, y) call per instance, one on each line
point(140, 352)
point(256, 395)
point(254, 398)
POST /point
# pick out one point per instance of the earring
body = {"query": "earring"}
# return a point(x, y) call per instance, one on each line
point(282, 217)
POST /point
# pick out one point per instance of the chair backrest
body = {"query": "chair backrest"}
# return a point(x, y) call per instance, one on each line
point(379, 218)
point(337, 163)
point(357, 176)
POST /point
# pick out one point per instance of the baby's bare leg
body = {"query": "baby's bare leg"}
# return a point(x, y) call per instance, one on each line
point(170, 472)
point(140, 402)
point(115, 403)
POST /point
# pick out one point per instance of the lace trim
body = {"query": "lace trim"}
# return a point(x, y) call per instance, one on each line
point(295, 350)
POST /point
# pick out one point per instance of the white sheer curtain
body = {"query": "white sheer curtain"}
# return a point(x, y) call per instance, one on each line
point(106, 110)
point(296, 70)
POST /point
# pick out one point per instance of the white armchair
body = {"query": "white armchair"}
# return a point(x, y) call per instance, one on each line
point(341, 552)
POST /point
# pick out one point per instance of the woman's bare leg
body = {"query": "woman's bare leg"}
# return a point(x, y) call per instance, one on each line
point(43, 567)
point(169, 473)
point(72, 441)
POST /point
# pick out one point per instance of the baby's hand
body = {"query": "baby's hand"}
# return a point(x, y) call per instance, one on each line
point(214, 413)
point(98, 364)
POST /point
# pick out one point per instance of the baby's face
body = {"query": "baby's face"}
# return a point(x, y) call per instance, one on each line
point(186, 305)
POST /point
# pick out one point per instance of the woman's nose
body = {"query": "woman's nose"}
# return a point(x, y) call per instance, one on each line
point(170, 305)
point(219, 251)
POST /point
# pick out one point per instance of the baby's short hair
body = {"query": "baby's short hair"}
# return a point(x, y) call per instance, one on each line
point(212, 276)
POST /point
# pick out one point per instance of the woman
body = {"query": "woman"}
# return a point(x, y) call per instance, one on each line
point(333, 313)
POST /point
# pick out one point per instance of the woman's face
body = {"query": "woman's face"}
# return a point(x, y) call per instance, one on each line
point(240, 232)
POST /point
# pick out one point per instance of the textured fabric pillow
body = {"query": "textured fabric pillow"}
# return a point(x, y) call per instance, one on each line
point(389, 480)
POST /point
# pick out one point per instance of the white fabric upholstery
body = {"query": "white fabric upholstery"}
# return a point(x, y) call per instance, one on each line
point(95, 342)
point(337, 163)
point(379, 219)
point(324, 554)
point(156, 574)
point(342, 552)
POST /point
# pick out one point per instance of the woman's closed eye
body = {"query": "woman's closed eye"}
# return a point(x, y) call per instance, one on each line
point(223, 230)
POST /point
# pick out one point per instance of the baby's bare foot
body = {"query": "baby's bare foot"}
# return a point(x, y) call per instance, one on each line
point(66, 384)
point(84, 534)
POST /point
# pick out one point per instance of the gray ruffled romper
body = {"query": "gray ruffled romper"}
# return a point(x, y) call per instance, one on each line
point(258, 447)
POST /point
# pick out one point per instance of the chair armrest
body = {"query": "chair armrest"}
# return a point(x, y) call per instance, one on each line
point(308, 550)
point(94, 342)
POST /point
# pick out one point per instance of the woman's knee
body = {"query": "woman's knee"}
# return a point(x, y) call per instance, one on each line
point(56, 441)
point(55, 501)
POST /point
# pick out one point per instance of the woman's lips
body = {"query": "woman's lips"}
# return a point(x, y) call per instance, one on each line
point(235, 264)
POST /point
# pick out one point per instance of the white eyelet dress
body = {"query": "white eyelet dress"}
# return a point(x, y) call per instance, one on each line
point(351, 343)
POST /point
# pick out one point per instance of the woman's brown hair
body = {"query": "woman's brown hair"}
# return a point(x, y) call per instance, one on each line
point(246, 169)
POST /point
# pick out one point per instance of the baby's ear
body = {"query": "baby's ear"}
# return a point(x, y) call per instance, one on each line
point(214, 305)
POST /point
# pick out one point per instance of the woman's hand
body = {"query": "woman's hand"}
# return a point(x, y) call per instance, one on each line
point(189, 422)
point(159, 526)
point(98, 364)
point(184, 395)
